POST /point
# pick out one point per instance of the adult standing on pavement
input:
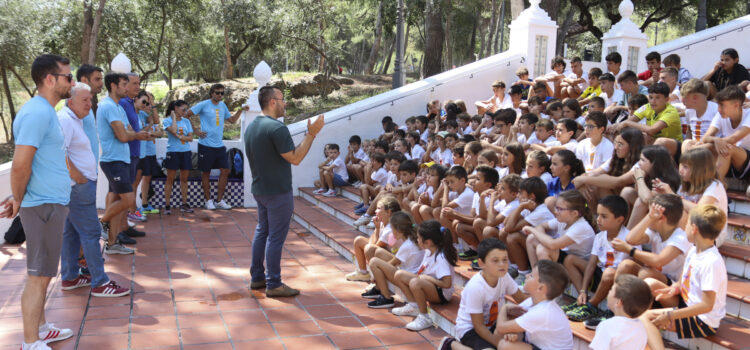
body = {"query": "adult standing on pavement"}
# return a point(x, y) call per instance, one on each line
point(82, 228)
point(212, 154)
point(114, 135)
point(271, 152)
point(40, 183)
point(128, 104)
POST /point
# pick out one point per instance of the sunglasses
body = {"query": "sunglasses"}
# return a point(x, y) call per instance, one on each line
point(145, 103)
point(219, 92)
point(69, 76)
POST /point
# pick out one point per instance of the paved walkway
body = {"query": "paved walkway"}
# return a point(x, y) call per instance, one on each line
point(191, 282)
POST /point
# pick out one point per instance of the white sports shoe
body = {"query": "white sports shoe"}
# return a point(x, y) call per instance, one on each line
point(320, 191)
point(406, 310)
point(364, 219)
point(210, 204)
point(117, 248)
point(419, 323)
point(37, 345)
point(49, 333)
point(330, 193)
point(223, 205)
point(371, 225)
point(131, 224)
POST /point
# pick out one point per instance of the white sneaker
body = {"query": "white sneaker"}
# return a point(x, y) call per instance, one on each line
point(330, 193)
point(37, 345)
point(406, 310)
point(364, 219)
point(210, 204)
point(223, 205)
point(357, 184)
point(320, 191)
point(131, 224)
point(118, 248)
point(358, 276)
point(371, 225)
point(49, 333)
point(419, 323)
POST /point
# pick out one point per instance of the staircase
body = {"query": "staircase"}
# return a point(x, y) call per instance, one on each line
point(331, 220)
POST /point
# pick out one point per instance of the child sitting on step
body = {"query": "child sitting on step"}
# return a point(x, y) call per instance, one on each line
point(628, 299)
point(380, 242)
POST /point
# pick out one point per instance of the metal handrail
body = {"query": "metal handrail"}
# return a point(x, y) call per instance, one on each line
point(712, 38)
point(431, 87)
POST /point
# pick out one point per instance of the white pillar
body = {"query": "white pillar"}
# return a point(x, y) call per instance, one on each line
point(626, 38)
point(534, 34)
point(262, 75)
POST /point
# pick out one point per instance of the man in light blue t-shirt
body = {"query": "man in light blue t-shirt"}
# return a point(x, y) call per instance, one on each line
point(212, 154)
point(114, 134)
point(40, 182)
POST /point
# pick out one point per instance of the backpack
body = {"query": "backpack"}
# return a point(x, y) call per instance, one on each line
point(15, 234)
point(236, 163)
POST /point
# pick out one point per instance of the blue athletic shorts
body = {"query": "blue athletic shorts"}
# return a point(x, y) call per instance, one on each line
point(212, 158)
point(118, 175)
point(178, 161)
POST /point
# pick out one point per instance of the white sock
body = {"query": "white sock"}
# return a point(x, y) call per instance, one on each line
point(363, 271)
point(424, 315)
point(524, 272)
point(44, 328)
point(413, 304)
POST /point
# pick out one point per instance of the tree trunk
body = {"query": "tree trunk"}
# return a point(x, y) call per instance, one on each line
point(322, 44)
point(23, 83)
point(95, 31)
point(473, 42)
point(433, 49)
point(229, 74)
point(8, 97)
point(376, 44)
point(482, 41)
point(493, 26)
point(516, 6)
point(499, 28)
point(88, 23)
point(700, 22)
point(448, 44)
point(562, 30)
point(387, 64)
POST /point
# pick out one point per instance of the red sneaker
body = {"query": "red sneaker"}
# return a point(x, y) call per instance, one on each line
point(109, 290)
point(80, 281)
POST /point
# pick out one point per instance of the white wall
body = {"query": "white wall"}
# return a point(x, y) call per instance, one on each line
point(5, 191)
point(700, 51)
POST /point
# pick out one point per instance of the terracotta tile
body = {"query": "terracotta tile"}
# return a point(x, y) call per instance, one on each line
point(340, 324)
point(204, 335)
point(110, 341)
point(193, 307)
point(314, 342)
point(265, 344)
point(104, 312)
point(109, 326)
point(287, 314)
point(154, 339)
point(296, 329)
point(354, 340)
point(398, 336)
point(153, 323)
point(153, 309)
point(158, 297)
point(243, 317)
point(326, 311)
point(311, 299)
point(239, 304)
point(192, 294)
point(378, 321)
point(252, 331)
point(433, 334)
point(214, 346)
point(200, 320)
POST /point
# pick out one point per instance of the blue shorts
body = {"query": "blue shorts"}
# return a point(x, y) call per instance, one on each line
point(134, 161)
point(148, 166)
point(178, 161)
point(338, 181)
point(212, 158)
point(118, 175)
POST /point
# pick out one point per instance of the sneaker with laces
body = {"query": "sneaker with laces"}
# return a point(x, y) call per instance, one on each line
point(80, 281)
point(185, 208)
point(105, 230)
point(330, 193)
point(136, 217)
point(420, 323)
point(571, 306)
point(362, 210)
point(594, 322)
point(357, 184)
point(283, 291)
point(125, 239)
point(109, 290)
point(130, 223)
point(363, 220)
point(117, 248)
point(371, 293)
point(167, 210)
point(381, 303)
point(581, 313)
point(320, 191)
point(406, 310)
point(131, 232)
point(468, 255)
point(37, 345)
point(150, 210)
point(475, 265)
point(48, 333)
point(210, 204)
point(360, 205)
point(223, 205)
point(358, 276)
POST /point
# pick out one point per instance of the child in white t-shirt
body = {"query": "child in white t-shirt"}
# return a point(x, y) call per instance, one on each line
point(482, 298)
point(595, 149)
point(628, 299)
point(408, 257)
point(356, 159)
point(505, 200)
point(597, 274)
point(457, 197)
point(377, 181)
point(669, 245)
point(570, 233)
point(381, 239)
point(537, 164)
point(729, 133)
point(565, 131)
point(428, 196)
point(333, 174)
point(545, 132)
point(433, 282)
point(703, 282)
point(462, 226)
point(544, 324)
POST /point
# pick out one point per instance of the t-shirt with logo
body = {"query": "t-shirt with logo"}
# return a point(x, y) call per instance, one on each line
point(705, 272)
point(478, 297)
point(37, 125)
point(436, 265)
point(699, 124)
point(212, 118)
point(113, 149)
point(594, 156)
point(183, 128)
point(605, 253)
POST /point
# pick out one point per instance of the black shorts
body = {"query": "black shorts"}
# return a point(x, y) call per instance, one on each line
point(148, 166)
point(678, 153)
point(692, 327)
point(212, 158)
point(740, 173)
point(474, 341)
point(596, 279)
point(179, 161)
point(440, 295)
point(562, 256)
point(118, 175)
point(134, 167)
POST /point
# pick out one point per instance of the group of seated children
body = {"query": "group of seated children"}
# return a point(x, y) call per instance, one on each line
point(538, 194)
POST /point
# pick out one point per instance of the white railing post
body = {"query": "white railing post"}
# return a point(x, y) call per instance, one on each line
point(262, 75)
point(626, 38)
point(534, 35)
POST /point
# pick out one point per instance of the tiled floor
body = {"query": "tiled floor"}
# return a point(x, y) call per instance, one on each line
point(191, 283)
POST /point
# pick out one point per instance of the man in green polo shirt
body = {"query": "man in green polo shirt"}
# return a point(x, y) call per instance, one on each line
point(662, 119)
point(270, 153)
